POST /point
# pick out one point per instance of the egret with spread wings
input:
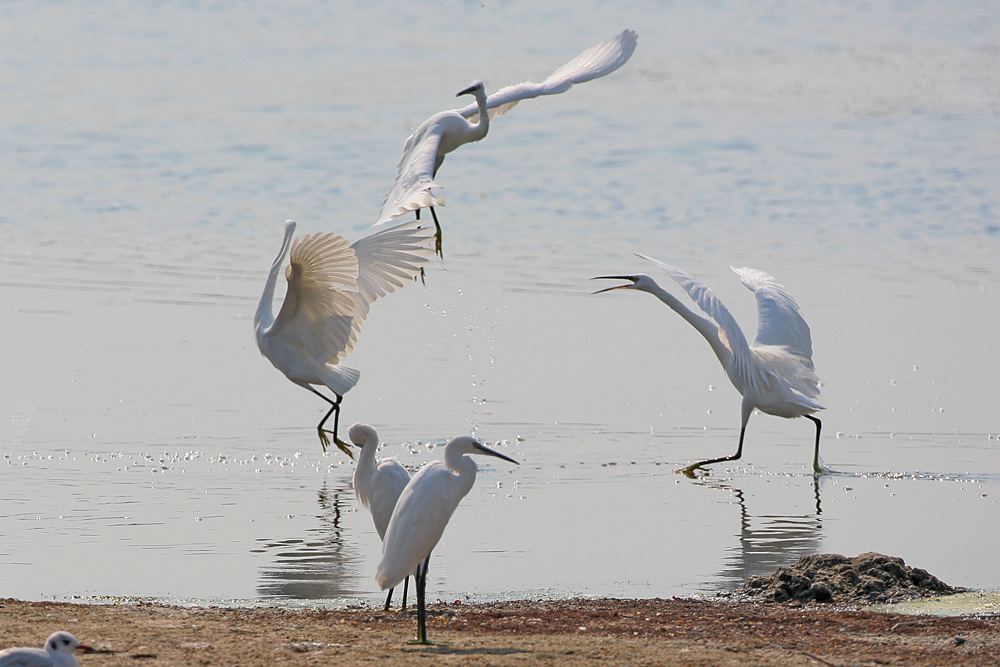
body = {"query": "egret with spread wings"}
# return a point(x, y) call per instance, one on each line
point(331, 286)
point(443, 132)
point(775, 373)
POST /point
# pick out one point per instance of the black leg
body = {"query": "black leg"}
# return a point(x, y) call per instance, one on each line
point(406, 584)
point(388, 600)
point(437, 237)
point(817, 468)
point(421, 582)
point(324, 439)
point(689, 470)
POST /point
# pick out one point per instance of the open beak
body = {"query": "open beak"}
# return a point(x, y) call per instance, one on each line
point(608, 289)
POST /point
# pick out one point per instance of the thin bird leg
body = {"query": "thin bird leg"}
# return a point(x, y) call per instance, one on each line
point(421, 577)
point(817, 468)
point(437, 235)
point(689, 470)
point(388, 600)
point(406, 584)
point(324, 439)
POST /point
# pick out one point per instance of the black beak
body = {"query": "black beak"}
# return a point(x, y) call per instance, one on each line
point(467, 91)
point(608, 289)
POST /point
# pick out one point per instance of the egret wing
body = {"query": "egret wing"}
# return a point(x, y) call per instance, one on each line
point(706, 299)
point(593, 63)
point(415, 173)
point(317, 313)
point(388, 482)
point(418, 522)
point(779, 319)
point(387, 260)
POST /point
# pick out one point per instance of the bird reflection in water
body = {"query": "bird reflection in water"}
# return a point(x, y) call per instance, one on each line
point(767, 541)
point(321, 565)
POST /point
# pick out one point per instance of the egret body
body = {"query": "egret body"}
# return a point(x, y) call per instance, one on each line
point(443, 132)
point(377, 484)
point(331, 286)
point(422, 512)
point(775, 372)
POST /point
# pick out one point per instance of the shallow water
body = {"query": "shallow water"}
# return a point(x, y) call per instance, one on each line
point(152, 155)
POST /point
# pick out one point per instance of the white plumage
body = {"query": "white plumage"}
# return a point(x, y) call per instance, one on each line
point(377, 484)
point(331, 286)
point(775, 373)
point(421, 515)
point(443, 132)
point(58, 652)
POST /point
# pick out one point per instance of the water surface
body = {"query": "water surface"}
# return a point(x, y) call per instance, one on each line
point(151, 156)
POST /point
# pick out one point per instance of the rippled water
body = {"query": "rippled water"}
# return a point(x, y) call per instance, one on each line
point(151, 155)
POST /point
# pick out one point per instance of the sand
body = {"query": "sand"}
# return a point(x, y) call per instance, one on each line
point(564, 632)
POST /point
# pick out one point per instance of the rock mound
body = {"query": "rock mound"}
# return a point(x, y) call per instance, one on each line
point(870, 577)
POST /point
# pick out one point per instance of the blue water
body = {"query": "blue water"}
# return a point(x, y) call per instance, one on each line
point(151, 153)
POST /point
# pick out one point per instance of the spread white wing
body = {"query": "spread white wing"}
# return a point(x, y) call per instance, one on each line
point(593, 63)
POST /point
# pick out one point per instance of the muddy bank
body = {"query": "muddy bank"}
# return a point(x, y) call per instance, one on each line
point(562, 633)
point(832, 578)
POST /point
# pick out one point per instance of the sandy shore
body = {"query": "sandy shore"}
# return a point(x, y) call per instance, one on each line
point(564, 632)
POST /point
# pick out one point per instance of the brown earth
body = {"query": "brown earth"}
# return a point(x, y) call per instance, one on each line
point(563, 632)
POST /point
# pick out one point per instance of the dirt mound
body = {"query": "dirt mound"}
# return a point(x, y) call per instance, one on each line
point(870, 577)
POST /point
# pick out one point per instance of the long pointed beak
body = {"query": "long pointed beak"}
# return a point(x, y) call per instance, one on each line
point(608, 289)
point(467, 91)
point(487, 450)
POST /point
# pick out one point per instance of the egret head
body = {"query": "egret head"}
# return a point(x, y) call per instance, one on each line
point(362, 433)
point(639, 282)
point(466, 444)
point(476, 87)
point(64, 642)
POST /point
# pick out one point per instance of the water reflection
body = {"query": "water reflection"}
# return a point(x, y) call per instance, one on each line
point(765, 540)
point(320, 566)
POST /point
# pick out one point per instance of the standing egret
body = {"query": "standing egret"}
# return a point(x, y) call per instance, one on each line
point(775, 373)
point(443, 132)
point(58, 652)
point(377, 484)
point(421, 514)
point(331, 286)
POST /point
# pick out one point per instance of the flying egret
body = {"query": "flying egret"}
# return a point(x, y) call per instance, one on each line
point(443, 132)
point(377, 484)
point(331, 286)
point(775, 373)
point(421, 514)
point(58, 652)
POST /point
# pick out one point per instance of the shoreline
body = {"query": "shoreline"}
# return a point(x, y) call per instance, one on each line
point(567, 632)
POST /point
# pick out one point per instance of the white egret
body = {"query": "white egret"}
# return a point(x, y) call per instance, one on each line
point(58, 652)
point(377, 484)
point(422, 512)
point(775, 373)
point(443, 132)
point(331, 286)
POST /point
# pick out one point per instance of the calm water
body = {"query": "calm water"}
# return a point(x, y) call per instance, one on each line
point(151, 153)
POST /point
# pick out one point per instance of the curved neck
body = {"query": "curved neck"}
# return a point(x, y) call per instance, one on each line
point(482, 126)
point(463, 467)
point(705, 326)
point(364, 471)
point(265, 316)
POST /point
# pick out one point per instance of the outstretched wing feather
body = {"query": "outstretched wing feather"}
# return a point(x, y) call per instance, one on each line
point(593, 63)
